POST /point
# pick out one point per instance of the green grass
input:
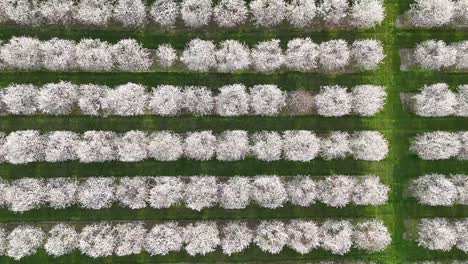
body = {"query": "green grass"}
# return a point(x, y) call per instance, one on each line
point(398, 125)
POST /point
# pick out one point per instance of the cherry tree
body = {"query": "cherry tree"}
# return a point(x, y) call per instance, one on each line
point(56, 12)
point(164, 238)
point(302, 53)
point(21, 53)
point(126, 100)
point(62, 239)
point(436, 145)
point(301, 13)
point(302, 191)
point(461, 227)
point(436, 234)
point(461, 183)
point(461, 108)
point(462, 49)
point(367, 54)
point(94, 54)
point(267, 56)
point(268, 191)
point(201, 192)
point(198, 100)
point(334, 55)
point(24, 194)
point(369, 145)
point(300, 145)
point(304, 236)
point(335, 146)
point(3, 235)
point(267, 146)
point(232, 145)
point(267, 99)
point(166, 100)
point(431, 13)
point(97, 240)
point(268, 13)
point(434, 190)
point(200, 145)
point(370, 191)
point(165, 12)
point(435, 100)
point(334, 12)
point(24, 146)
point(461, 13)
point(336, 236)
point(21, 12)
point(232, 100)
point(196, 13)
point(434, 55)
point(129, 55)
point(58, 54)
point(132, 146)
point(96, 193)
point(336, 191)
point(463, 154)
point(20, 99)
point(2, 151)
point(232, 56)
point(130, 13)
point(235, 193)
point(165, 192)
point(368, 100)
point(61, 193)
point(367, 13)
point(97, 146)
point(94, 12)
point(271, 236)
point(235, 237)
point(201, 238)
point(60, 146)
point(300, 102)
point(129, 238)
point(132, 192)
point(23, 241)
point(91, 97)
point(230, 13)
point(166, 55)
point(333, 101)
point(372, 236)
point(57, 98)
point(165, 146)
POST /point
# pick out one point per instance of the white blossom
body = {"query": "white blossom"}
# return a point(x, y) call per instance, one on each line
point(232, 145)
point(132, 146)
point(235, 193)
point(333, 101)
point(130, 13)
point(335, 146)
point(369, 145)
point(367, 54)
point(232, 56)
point(129, 55)
point(24, 194)
point(461, 227)
point(94, 55)
point(20, 99)
point(96, 193)
point(368, 100)
point(372, 236)
point(302, 53)
point(268, 191)
point(303, 236)
point(61, 192)
point(370, 191)
point(24, 146)
point(235, 237)
point(165, 146)
point(230, 13)
point(336, 191)
point(58, 54)
point(62, 239)
point(198, 100)
point(165, 192)
point(132, 192)
point(302, 191)
point(431, 13)
point(334, 12)
point(434, 190)
point(94, 12)
point(165, 12)
point(56, 12)
point(199, 55)
point(462, 50)
point(97, 146)
point(436, 145)
point(461, 183)
point(196, 13)
point(24, 241)
point(201, 192)
point(271, 236)
point(268, 13)
point(166, 55)
point(163, 239)
point(435, 100)
point(434, 55)
point(301, 13)
point(201, 238)
point(461, 108)
point(91, 97)
point(232, 100)
point(97, 240)
point(129, 238)
point(463, 154)
point(300, 102)
point(126, 100)
point(57, 98)
point(300, 145)
point(336, 236)
point(21, 53)
point(22, 12)
point(367, 13)
point(334, 55)
point(267, 146)
point(436, 234)
point(60, 146)
point(200, 145)
point(166, 100)
point(267, 56)
point(460, 12)
point(267, 99)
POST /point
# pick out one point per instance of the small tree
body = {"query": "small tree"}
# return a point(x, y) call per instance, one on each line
point(232, 100)
point(367, 54)
point(196, 13)
point(130, 13)
point(463, 154)
point(200, 145)
point(61, 193)
point(367, 13)
point(435, 100)
point(336, 236)
point(56, 12)
point(461, 227)
point(267, 146)
point(300, 145)
point(21, 53)
point(126, 100)
point(165, 192)
point(368, 100)
point(369, 145)
point(20, 99)
point(166, 100)
point(129, 55)
point(372, 236)
point(334, 12)
point(235, 237)
point(201, 192)
point(57, 98)
point(271, 236)
point(97, 240)
point(461, 183)
point(24, 146)
point(267, 56)
point(58, 54)
point(434, 190)
point(333, 101)
point(165, 146)
point(370, 191)
point(431, 13)
point(232, 145)
point(267, 99)
point(201, 238)
point(461, 108)
point(166, 55)
point(165, 12)
point(301, 13)
point(132, 146)
point(198, 100)
point(235, 193)
point(96, 193)
point(302, 54)
point(230, 13)
point(3, 240)
point(24, 241)
point(334, 55)
point(300, 102)
point(462, 48)
point(232, 56)
point(302, 191)
point(434, 55)
point(21, 12)
point(129, 238)
point(93, 54)
point(268, 13)
point(62, 239)
point(436, 234)
point(436, 145)
point(93, 12)
point(268, 192)
point(303, 236)
point(336, 191)
point(60, 146)
point(335, 146)
point(164, 238)
point(97, 146)
point(91, 97)
point(132, 192)
point(24, 194)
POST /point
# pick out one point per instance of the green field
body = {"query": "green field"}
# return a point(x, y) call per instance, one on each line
point(398, 125)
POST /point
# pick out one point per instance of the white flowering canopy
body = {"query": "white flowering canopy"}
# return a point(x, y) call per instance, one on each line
point(230, 13)
point(334, 55)
point(434, 55)
point(268, 13)
point(267, 99)
point(196, 13)
point(436, 234)
point(436, 145)
point(164, 12)
point(435, 100)
point(267, 56)
point(431, 13)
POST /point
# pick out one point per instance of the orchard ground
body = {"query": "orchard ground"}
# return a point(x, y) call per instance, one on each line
point(398, 125)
